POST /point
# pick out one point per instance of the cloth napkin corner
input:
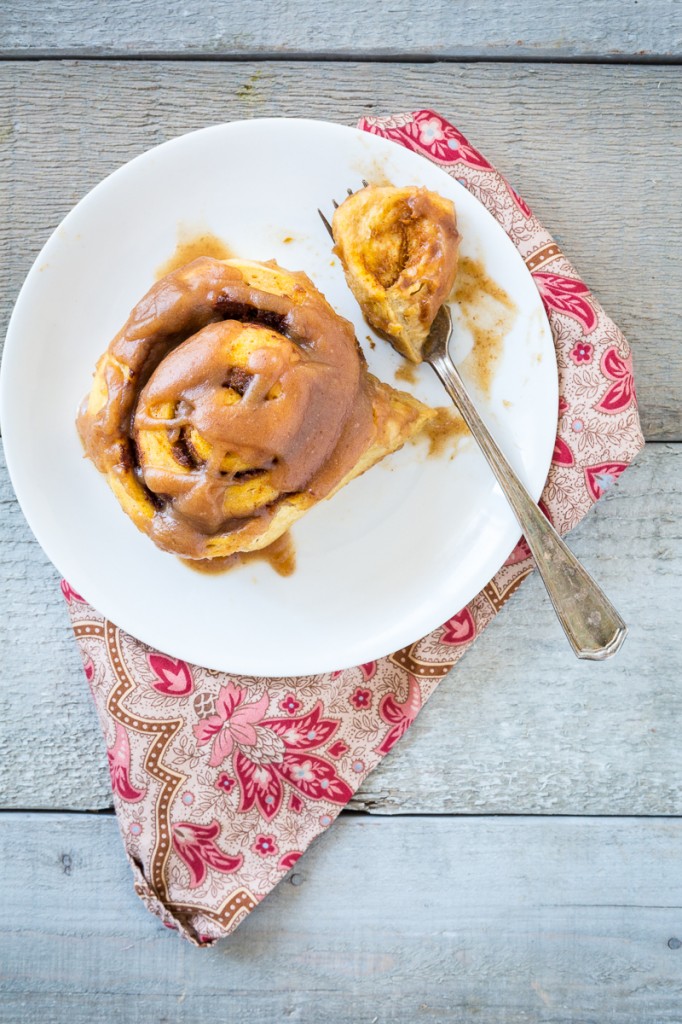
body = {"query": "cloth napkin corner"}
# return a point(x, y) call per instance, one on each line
point(220, 783)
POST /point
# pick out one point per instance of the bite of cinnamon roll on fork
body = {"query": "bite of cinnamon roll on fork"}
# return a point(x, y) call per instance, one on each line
point(399, 249)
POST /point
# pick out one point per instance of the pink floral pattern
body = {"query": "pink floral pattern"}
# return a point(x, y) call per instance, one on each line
point(562, 454)
point(220, 783)
point(599, 479)
point(621, 394)
point(399, 715)
point(173, 677)
point(263, 783)
point(361, 698)
point(290, 705)
point(88, 667)
point(225, 783)
point(265, 846)
point(70, 594)
point(522, 205)
point(582, 353)
point(567, 295)
point(196, 846)
point(233, 723)
point(428, 133)
point(460, 629)
point(118, 757)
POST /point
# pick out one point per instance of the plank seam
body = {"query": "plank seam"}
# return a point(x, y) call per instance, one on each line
point(108, 812)
point(266, 56)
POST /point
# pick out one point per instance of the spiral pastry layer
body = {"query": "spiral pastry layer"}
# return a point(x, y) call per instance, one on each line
point(233, 400)
point(399, 249)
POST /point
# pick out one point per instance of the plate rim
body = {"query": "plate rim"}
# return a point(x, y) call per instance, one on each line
point(11, 351)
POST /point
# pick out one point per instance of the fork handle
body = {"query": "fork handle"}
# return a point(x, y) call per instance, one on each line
point(594, 628)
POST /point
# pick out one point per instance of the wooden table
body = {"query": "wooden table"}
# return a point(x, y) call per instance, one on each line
point(519, 856)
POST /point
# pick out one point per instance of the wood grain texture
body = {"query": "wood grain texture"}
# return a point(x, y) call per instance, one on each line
point(519, 726)
point(501, 921)
point(592, 149)
point(431, 28)
point(555, 920)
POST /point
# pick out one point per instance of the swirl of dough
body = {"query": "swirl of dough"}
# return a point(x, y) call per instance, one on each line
point(232, 400)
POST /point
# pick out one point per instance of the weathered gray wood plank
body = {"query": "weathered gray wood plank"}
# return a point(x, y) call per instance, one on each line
point(432, 28)
point(501, 921)
point(593, 149)
point(520, 726)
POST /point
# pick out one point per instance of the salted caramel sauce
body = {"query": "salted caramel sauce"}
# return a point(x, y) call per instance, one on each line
point(190, 247)
point(488, 312)
point(280, 556)
point(302, 422)
point(446, 428)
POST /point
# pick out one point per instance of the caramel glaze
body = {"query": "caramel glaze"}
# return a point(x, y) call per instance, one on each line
point(407, 373)
point(190, 248)
point(304, 418)
point(488, 312)
point(280, 556)
point(447, 426)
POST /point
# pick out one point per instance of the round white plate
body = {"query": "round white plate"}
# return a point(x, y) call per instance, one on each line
point(394, 554)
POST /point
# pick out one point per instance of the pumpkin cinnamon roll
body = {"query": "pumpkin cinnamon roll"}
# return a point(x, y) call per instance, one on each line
point(398, 247)
point(232, 401)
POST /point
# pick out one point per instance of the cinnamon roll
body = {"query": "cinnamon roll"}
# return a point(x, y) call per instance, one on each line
point(398, 247)
point(232, 401)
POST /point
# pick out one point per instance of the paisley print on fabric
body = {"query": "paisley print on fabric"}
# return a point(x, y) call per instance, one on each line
point(221, 783)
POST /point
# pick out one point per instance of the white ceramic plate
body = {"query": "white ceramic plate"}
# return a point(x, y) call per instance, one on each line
point(393, 555)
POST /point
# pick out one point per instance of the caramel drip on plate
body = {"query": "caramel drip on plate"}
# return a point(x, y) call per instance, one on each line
point(406, 372)
point(488, 312)
point(190, 247)
point(447, 426)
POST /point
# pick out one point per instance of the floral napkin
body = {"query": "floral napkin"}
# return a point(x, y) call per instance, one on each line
point(220, 783)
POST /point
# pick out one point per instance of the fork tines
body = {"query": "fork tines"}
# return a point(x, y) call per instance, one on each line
point(326, 223)
point(336, 206)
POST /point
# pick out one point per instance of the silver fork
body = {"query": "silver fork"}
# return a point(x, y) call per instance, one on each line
point(594, 628)
point(336, 206)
